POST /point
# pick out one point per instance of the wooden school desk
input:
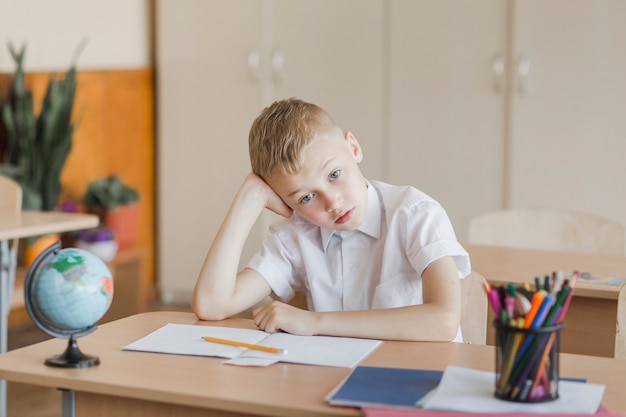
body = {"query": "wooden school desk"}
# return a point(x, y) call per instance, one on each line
point(596, 320)
point(26, 224)
point(132, 384)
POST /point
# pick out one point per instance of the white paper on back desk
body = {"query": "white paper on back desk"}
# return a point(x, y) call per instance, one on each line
point(469, 390)
point(187, 339)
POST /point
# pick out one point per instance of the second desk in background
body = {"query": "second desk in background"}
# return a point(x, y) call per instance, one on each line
point(596, 319)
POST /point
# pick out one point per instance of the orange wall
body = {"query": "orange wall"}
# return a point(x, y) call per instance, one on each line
point(115, 134)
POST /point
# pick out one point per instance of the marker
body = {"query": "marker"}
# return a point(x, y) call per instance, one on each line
point(509, 306)
point(486, 287)
point(536, 303)
point(555, 311)
point(494, 300)
point(522, 304)
point(543, 311)
point(525, 389)
point(504, 317)
point(558, 282)
point(245, 345)
point(511, 288)
point(565, 306)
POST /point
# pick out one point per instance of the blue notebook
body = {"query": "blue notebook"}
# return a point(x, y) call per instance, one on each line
point(388, 387)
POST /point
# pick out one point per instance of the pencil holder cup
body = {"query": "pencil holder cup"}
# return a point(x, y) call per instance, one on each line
point(527, 363)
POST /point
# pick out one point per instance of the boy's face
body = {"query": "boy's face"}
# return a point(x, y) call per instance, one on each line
point(329, 190)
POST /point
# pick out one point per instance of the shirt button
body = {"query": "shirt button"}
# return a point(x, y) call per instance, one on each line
point(352, 267)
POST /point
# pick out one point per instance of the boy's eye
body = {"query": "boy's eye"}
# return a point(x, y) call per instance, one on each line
point(335, 175)
point(306, 198)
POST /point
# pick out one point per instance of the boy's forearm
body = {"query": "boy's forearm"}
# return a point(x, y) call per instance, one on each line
point(437, 319)
point(425, 322)
point(215, 286)
point(421, 322)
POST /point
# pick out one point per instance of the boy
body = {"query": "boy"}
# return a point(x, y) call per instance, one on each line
point(374, 260)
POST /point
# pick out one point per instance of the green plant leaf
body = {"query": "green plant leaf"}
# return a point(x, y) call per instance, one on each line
point(109, 192)
point(38, 146)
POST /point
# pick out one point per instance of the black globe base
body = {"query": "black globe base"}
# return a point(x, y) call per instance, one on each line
point(72, 358)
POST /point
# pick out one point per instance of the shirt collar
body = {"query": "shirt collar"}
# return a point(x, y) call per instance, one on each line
point(371, 224)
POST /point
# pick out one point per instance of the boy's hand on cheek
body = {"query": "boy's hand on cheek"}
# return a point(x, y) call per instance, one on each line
point(271, 200)
point(277, 205)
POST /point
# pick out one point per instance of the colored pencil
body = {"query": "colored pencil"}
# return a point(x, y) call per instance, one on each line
point(245, 345)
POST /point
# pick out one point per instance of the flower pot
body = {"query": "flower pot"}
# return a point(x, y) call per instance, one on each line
point(124, 221)
point(100, 241)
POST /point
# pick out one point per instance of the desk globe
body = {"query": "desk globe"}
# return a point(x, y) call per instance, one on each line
point(66, 292)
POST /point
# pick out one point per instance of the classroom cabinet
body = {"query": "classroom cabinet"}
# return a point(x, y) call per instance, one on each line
point(447, 102)
point(484, 105)
point(219, 62)
point(567, 130)
point(509, 104)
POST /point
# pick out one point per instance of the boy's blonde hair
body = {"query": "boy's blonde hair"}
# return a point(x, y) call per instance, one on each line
point(282, 132)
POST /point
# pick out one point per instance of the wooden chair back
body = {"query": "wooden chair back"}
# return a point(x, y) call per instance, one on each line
point(473, 309)
point(10, 195)
point(10, 205)
point(549, 229)
point(620, 326)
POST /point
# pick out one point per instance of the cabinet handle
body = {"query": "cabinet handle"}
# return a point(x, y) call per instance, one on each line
point(523, 70)
point(254, 64)
point(497, 67)
point(278, 64)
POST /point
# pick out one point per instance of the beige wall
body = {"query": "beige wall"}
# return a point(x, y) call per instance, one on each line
point(117, 33)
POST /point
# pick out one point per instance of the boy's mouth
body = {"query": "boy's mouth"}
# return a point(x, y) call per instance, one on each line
point(344, 218)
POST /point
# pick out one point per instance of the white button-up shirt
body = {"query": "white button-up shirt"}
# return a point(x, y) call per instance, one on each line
point(379, 265)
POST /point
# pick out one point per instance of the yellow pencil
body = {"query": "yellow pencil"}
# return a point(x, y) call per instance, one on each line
point(245, 345)
point(508, 356)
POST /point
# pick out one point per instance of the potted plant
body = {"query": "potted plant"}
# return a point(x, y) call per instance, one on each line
point(36, 146)
point(116, 203)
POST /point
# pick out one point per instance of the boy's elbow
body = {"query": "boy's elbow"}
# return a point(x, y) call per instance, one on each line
point(208, 315)
point(445, 327)
point(450, 323)
point(207, 311)
point(449, 334)
point(441, 327)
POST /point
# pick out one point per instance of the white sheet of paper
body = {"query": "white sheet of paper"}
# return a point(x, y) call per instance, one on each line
point(250, 361)
point(186, 339)
point(469, 390)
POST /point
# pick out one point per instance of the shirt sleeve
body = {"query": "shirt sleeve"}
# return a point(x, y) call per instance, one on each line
point(430, 236)
point(276, 264)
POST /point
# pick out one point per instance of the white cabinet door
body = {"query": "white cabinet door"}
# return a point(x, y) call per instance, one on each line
point(207, 95)
point(219, 62)
point(446, 106)
point(333, 56)
point(568, 131)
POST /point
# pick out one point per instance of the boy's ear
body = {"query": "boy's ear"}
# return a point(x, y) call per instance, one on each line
point(357, 152)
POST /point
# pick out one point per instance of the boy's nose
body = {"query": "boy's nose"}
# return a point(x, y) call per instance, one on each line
point(333, 202)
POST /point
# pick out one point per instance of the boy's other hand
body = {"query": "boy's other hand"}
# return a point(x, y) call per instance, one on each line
point(271, 200)
point(277, 316)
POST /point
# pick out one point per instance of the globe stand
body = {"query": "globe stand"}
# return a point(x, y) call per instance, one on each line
point(72, 357)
